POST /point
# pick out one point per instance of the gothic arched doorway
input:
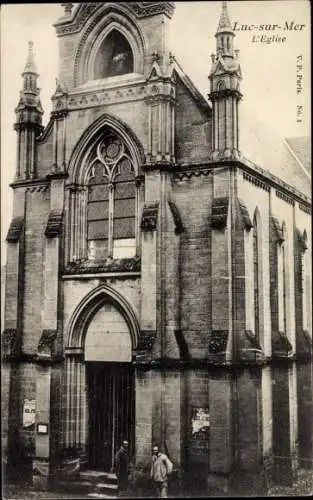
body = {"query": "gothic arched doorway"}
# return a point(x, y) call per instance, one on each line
point(110, 382)
point(100, 381)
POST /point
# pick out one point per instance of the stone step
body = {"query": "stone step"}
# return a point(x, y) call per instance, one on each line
point(91, 482)
point(100, 495)
point(76, 486)
point(106, 486)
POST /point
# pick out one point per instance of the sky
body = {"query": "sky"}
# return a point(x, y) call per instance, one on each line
point(269, 70)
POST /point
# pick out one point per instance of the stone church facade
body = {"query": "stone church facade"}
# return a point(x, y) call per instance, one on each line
point(158, 284)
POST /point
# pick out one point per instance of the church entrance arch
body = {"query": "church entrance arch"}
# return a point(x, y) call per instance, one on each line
point(101, 384)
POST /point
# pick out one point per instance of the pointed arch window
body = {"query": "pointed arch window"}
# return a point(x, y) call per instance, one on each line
point(114, 57)
point(282, 281)
point(112, 201)
point(256, 279)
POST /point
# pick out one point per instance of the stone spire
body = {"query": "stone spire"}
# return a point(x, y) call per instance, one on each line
point(67, 6)
point(28, 118)
point(224, 25)
point(225, 77)
point(225, 35)
point(30, 66)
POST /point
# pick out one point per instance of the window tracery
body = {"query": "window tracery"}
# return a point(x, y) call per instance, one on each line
point(111, 201)
point(105, 206)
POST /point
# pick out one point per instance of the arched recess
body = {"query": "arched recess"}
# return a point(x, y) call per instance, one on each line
point(257, 273)
point(76, 430)
point(109, 17)
point(86, 310)
point(283, 283)
point(88, 150)
point(114, 57)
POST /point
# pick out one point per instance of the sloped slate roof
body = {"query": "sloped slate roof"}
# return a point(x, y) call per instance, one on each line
point(264, 147)
point(301, 147)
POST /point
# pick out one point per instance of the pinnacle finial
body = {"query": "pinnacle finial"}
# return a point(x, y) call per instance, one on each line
point(30, 66)
point(224, 22)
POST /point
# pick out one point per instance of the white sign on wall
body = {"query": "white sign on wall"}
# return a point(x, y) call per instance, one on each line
point(29, 412)
point(200, 420)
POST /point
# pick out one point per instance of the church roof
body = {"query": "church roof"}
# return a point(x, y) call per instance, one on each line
point(301, 148)
point(279, 156)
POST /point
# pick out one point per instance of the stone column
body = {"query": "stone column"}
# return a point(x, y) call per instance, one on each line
point(144, 416)
point(221, 433)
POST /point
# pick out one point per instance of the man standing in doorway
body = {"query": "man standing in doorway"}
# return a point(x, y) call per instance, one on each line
point(122, 468)
point(161, 468)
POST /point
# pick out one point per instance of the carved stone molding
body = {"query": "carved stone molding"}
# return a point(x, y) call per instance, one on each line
point(149, 217)
point(54, 224)
point(37, 189)
point(249, 348)
point(277, 229)
point(305, 208)
point(15, 230)
point(109, 266)
point(46, 345)
point(255, 181)
point(302, 240)
point(304, 346)
point(246, 221)
point(188, 174)
point(219, 213)
point(100, 97)
point(140, 9)
point(284, 197)
point(281, 346)
point(179, 228)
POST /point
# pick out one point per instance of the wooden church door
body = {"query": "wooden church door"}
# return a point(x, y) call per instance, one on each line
point(111, 411)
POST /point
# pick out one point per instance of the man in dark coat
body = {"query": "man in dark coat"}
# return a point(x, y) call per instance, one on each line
point(122, 468)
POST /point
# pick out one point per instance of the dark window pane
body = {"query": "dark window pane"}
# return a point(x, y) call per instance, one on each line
point(124, 228)
point(124, 190)
point(114, 57)
point(124, 208)
point(98, 230)
point(96, 174)
point(98, 210)
point(125, 170)
point(99, 192)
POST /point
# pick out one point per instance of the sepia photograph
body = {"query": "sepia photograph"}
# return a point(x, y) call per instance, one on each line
point(156, 250)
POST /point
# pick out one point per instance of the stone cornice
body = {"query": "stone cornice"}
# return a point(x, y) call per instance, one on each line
point(29, 183)
point(123, 92)
point(96, 275)
point(215, 96)
point(263, 178)
point(32, 358)
point(273, 180)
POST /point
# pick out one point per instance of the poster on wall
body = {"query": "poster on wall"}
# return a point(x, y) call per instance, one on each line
point(29, 412)
point(200, 420)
